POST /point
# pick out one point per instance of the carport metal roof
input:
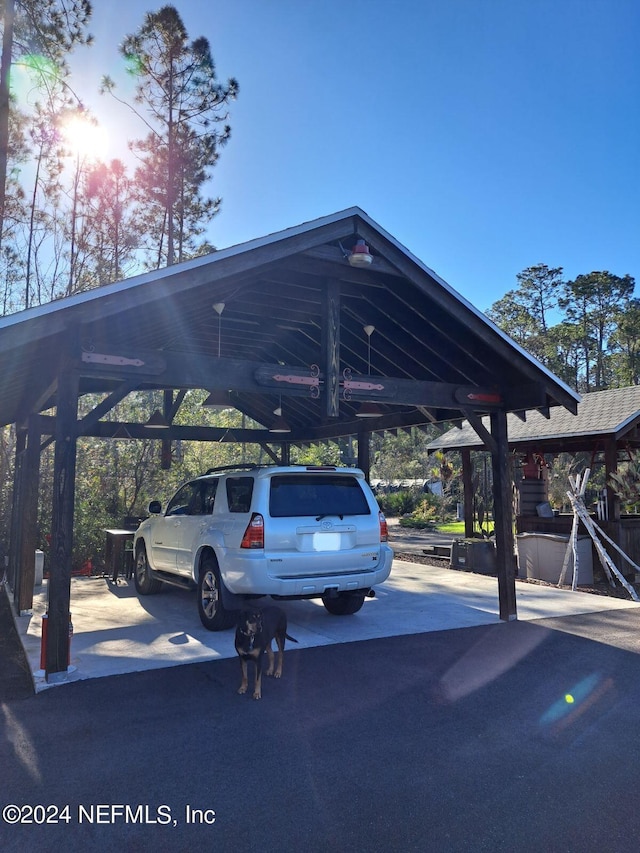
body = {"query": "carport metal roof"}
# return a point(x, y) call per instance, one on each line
point(291, 299)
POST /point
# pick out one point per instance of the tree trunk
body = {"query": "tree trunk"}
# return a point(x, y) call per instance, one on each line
point(5, 65)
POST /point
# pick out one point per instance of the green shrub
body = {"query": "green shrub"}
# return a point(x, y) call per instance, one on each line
point(425, 514)
point(394, 504)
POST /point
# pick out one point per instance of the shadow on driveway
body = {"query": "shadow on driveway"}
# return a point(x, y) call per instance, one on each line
point(511, 736)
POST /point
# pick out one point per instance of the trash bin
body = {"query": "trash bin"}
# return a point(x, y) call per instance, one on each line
point(474, 555)
point(541, 555)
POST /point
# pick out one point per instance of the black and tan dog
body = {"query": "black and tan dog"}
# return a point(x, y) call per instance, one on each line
point(256, 629)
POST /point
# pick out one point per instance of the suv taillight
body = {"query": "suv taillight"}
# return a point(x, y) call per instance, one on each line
point(254, 534)
point(384, 530)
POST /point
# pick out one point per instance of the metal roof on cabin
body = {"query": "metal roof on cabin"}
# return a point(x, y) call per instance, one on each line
point(273, 289)
point(613, 413)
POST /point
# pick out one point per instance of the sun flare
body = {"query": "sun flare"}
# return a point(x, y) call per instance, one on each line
point(86, 139)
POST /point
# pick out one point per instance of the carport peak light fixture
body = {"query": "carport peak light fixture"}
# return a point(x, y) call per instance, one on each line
point(218, 307)
point(157, 421)
point(369, 330)
point(279, 424)
point(368, 409)
point(360, 255)
point(121, 432)
point(218, 399)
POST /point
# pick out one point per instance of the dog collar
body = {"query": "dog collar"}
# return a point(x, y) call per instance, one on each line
point(251, 636)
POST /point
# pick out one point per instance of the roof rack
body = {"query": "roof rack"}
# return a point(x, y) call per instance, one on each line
point(243, 466)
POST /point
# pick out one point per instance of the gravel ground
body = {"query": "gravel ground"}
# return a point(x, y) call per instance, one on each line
point(599, 587)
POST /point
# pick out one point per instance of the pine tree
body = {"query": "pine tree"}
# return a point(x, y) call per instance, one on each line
point(111, 232)
point(592, 302)
point(49, 29)
point(183, 106)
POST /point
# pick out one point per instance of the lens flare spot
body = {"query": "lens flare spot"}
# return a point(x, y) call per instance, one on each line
point(573, 700)
point(133, 65)
point(32, 76)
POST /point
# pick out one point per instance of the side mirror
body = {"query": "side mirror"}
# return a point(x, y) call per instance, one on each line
point(155, 508)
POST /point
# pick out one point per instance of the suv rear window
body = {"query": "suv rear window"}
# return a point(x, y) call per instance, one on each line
point(239, 493)
point(304, 494)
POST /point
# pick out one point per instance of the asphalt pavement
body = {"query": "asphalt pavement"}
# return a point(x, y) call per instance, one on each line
point(512, 736)
point(476, 736)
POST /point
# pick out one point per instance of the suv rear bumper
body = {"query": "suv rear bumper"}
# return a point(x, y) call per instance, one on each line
point(256, 574)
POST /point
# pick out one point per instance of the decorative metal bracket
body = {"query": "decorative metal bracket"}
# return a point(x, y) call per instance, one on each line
point(298, 377)
point(104, 358)
point(349, 385)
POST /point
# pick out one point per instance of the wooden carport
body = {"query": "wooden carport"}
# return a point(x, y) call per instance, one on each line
point(291, 332)
point(606, 427)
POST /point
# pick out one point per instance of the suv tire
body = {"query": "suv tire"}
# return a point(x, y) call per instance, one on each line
point(346, 603)
point(145, 584)
point(212, 613)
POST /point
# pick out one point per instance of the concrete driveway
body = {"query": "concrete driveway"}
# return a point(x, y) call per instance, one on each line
point(116, 632)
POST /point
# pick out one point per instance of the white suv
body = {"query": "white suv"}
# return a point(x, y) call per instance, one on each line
point(287, 532)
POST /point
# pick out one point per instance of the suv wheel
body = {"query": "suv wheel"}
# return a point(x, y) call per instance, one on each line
point(145, 584)
point(345, 604)
point(210, 608)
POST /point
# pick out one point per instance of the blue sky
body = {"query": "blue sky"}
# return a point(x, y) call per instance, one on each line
point(485, 135)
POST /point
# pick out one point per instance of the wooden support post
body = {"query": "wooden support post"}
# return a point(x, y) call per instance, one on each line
point(331, 347)
point(64, 475)
point(467, 489)
point(611, 466)
point(503, 518)
point(15, 546)
point(28, 521)
point(364, 460)
point(165, 452)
